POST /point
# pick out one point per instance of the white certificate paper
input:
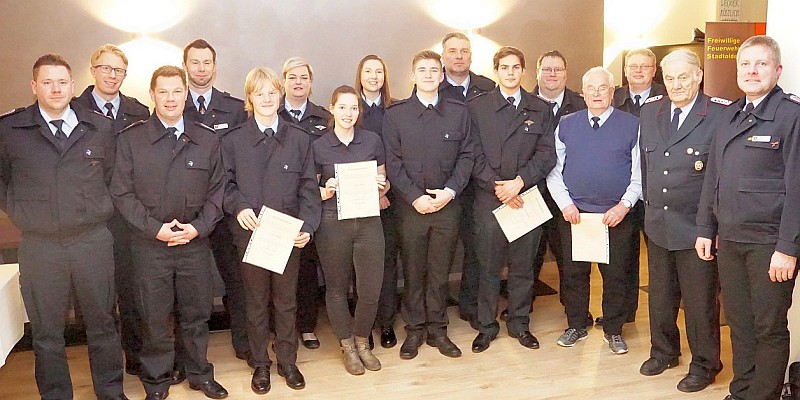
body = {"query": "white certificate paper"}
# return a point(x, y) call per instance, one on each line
point(12, 313)
point(272, 241)
point(590, 239)
point(357, 195)
point(516, 222)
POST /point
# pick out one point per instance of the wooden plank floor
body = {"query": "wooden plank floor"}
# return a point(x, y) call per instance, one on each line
point(505, 370)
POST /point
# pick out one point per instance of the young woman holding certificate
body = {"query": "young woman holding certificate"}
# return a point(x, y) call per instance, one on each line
point(344, 244)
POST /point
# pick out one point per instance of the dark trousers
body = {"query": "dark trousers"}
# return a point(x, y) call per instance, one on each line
point(551, 237)
point(167, 278)
point(260, 288)
point(755, 309)
point(387, 303)
point(493, 251)
point(676, 275)
point(577, 279)
point(429, 242)
point(228, 266)
point(470, 270)
point(308, 290)
point(130, 322)
point(49, 269)
point(343, 247)
point(636, 215)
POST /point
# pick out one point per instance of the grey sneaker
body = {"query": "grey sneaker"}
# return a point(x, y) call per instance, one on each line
point(616, 343)
point(572, 336)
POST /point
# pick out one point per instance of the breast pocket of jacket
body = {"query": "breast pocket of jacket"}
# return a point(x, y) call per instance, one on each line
point(290, 172)
point(94, 159)
point(451, 141)
point(197, 174)
point(698, 158)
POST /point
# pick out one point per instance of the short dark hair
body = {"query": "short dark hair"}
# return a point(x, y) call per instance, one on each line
point(52, 59)
point(506, 51)
point(167, 71)
point(199, 44)
point(344, 89)
point(551, 53)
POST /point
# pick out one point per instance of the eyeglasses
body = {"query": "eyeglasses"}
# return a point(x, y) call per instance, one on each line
point(596, 90)
point(106, 69)
point(636, 67)
point(549, 71)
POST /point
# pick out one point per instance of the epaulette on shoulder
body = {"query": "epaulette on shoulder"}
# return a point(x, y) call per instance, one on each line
point(720, 100)
point(654, 99)
point(202, 125)
point(397, 102)
point(12, 112)
point(793, 97)
point(137, 123)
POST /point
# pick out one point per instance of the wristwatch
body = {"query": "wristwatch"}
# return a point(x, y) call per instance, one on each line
point(627, 204)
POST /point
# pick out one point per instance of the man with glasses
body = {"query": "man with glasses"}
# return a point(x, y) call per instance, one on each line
point(551, 78)
point(109, 69)
point(460, 83)
point(640, 69)
point(597, 172)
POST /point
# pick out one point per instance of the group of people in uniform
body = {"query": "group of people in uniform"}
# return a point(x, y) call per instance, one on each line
point(130, 211)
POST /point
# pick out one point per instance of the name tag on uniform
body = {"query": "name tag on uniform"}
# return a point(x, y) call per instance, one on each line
point(220, 126)
point(760, 138)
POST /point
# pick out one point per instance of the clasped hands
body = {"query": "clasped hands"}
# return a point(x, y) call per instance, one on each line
point(175, 233)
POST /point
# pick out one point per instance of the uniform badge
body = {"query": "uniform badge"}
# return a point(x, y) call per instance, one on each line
point(528, 122)
point(286, 167)
point(190, 163)
point(447, 136)
point(698, 165)
point(654, 98)
point(88, 152)
point(221, 126)
point(320, 127)
point(689, 151)
point(760, 138)
point(775, 144)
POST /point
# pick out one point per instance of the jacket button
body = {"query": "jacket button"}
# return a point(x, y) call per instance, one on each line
point(666, 154)
point(666, 172)
point(664, 190)
point(666, 208)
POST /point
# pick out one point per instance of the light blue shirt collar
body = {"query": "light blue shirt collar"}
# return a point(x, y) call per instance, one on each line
point(464, 84)
point(206, 97)
point(369, 102)
point(274, 125)
point(684, 110)
point(517, 96)
point(69, 117)
point(603, 117)
point(101, 103)
point(644, 95)
point(179, 126)
point(425, 103)
point(289, 107)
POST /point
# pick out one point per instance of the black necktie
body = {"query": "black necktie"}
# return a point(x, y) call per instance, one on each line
point(676, 117)
point(173, 134)
point(295, 114)
point(510, 100)
point(109, 110)
point(636, 100)
point(596, 123)
point(745, 113)
point(201, 101)
point(429, 107)
point(553, 106)
point(61, 137)
point(269, 132)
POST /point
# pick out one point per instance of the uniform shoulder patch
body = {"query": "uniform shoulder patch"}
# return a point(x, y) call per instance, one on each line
point(720, 100)
point(12, 112)
point(653, 99)
point(137, 123)
point(793, 97)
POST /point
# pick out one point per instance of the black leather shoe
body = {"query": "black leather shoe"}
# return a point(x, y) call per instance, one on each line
point(260, 382)
point(504, 315)
point(132, 367)
point(212, 389)
point(445, 346)
point(311, 344)
point(410, 347)
point(694, 383)
point(177, 376)
point(388, 338)
point(157, 396)
point(481, 342)
point(526, 339)
point(294, 379)
point(654, 366)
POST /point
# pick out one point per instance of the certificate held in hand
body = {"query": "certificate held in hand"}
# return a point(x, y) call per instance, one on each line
point(516, 222)
point(590, 239)
point(357, 195)
point(272, 241)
